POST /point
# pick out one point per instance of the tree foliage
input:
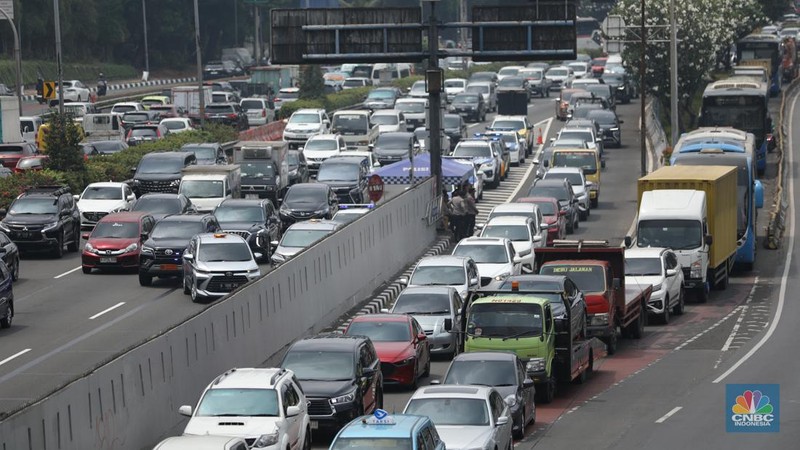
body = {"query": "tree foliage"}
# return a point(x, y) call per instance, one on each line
point(311, 83)
point(62, 142)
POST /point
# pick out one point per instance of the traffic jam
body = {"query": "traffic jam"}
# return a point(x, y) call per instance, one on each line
point(517, 306)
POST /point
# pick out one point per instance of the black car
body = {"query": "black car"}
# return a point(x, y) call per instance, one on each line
point(162, 205)
point(217, 69)
point(382, 98)
point(505, 372)
point(470, 106)
point(230, 114)
point(161, 172)
point(102, 148)
point(609, 125)
point(207, 154)
point(129, 119)
point(308, 201)
point(560, 189)
point(255, 220)
point(392, 147)
point(43, 218)
point(340, 376)
point(298, 167)
point(603, 91)
point(620, 85)
point(347, 176)
point(455, 128)
point(514, 84)
point(583, 110)
point(6, 296)
point(9, 253)
point(161, 252)
point(139, 134)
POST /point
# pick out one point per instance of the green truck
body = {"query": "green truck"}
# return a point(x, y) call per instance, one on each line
point(523, 322)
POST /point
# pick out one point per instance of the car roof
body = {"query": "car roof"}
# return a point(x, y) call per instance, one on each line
point(329, 342)
point(248, 377)
point(309, 186)
point(551, 182)
point(644, 252)
point(199, 442)
point(513, 207)
point(289, 90)
point(353, 159)
point(406, 134)
point(314, 224)
point(244, 202)
point(310, 111)
point(563, 169)
point(326, 136)
point(384, 317)
point(163, 195)
point(125, 216)
point(508, 220)
point(167, 155)
point(404, 426)
point(453, 391)
point(475, 240)
point(430, 290)
point(221, 237)
point(185, 218)
point(387, 112)
point(443, 260)
point(106, 184)
point(486, 356)
point(202, 145)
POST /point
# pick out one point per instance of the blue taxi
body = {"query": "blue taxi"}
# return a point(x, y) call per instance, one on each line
point(388, 432)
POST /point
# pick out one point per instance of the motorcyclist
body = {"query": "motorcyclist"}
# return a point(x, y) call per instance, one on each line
point(102, 85)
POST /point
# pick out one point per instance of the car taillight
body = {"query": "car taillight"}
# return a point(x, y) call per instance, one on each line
point(231, 116)
point(129, 133)
point(276, 99)
point(263, 113)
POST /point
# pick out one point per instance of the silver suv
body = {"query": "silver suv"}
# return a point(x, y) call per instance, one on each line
point(266, 407)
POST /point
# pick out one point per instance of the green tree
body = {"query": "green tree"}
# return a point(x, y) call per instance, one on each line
point(62, 141)
point(311, 83)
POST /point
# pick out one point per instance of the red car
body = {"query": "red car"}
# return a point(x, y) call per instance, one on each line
point(116, 241)
point(402, 346)
point(10, 154)
point(555, 219)
point(27, 163)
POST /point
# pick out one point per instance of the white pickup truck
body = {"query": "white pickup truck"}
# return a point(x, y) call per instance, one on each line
point(355, 128)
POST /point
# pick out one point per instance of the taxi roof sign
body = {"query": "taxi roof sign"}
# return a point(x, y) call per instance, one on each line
point(380, 417)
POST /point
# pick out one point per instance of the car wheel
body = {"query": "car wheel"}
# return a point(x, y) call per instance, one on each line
point(145, 280)
point(58, 252)
point(570, 227)
point(186, 290)
point(15, 270)
point(76, 241)
point(5, 322)
point(519, 433)
point(679, 307)
point(196, 297)
point(577, 222)
point(427, 372)
point(307, 440)
point(87, 270)
point(664, 317)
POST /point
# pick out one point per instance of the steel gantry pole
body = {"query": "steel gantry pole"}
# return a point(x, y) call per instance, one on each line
point(673, 74)
point(200, 94)
point(60, 69)
point(17, 58)
point(435, 106)
point(643, 93)
point(146, 47)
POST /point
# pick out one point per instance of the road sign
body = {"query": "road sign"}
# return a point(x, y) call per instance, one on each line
point(49, 90)
point(614, 26)
point(8, 7)
point(375, 187)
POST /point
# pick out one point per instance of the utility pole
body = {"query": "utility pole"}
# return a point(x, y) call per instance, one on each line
point(673, 71)
point(643, 93)
point(257, 13)
point(200, 93)
point(146, 49)
point(18, 60)
point(435, 105)
point(462, 17)
point(60, 69)
point(235, 23)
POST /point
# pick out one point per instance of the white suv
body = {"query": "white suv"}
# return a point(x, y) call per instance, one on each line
point(305, 123)
point(321, 147)
point(101, 199)
point(266, 407)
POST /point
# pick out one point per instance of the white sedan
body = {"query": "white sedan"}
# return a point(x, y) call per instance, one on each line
point(75, 91)
point(466, 417)
point(177, 124)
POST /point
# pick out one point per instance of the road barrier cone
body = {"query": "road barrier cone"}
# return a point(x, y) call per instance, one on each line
point(539, 140)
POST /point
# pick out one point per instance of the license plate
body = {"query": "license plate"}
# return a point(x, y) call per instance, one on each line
point(230, 285)
point(169, 267)
point(251, 196)
point(25, 234)
point(108, 260)
point(314, 424)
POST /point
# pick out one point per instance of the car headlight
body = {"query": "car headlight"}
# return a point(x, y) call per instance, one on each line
point(4, 227)
point(598, 319)
point(147, 250)
point(265, 440)
point(696, 270)
point(350, 397)
point(255, 273)
point(131, 247)
point(293, 173)
point(88, 247)
point(657, 287)
point(175, 183)
point(50, 226)
point(321, 211)
point(406, 361)
point(535, 365)
point(277, 257)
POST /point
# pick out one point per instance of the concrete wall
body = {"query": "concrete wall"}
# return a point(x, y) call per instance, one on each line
point(131, 402)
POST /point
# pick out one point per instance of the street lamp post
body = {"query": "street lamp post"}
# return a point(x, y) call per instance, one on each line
point(435, 108)
point(643, 94)
point(146, 48)
point(673, 70)
point(57, 19)
point(200, 93)
point(18, 59)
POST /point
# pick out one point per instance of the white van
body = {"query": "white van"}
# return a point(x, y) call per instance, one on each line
point(29, 127)
point(384, 74)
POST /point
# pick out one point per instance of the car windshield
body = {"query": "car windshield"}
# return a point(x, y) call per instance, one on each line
point(102, 193)
point(252, 104)
point(11, 149)
point(353, 83)
point(482, 373)
point(380, 94)
point(451, 411)
point(602, 117)
point(202, 188)
point(372, 444)
point(119, 230)
point(513, 232)
point(288, 95)
point(483, 254)
point(674, 234)
point(410, 107)
point(601, 90)
point(230, 402)
point(388, 141)
point(239, 213)
point(557, 72)
point(438, 276)
point(510, 82)
point(302, 238)
point(452, 121)
point(108, 146)
point(504, 320)
point(380, 331)
point(588, 278)
point(177, 230)
point(319, 365)
point(557, 192)
point(207, 153)
point(422, 304)
point(338, 172)
point(474, 151)
point(477, 89)
point(123, 108)
point(174, 124)
point(453, 83)
point(584, 160)
point(304, 118)
point(642, 266)
point(321, 144)
point(34, 205)
point(384, 119)
point(224, 252)
point(481, 76)
point(158, 205)
point(466, 98)
point(219, 98)
point(532, 74)
point(257, 169)
point(418, 86)
point(293, 158)
point(582, 110)
point(547, 208)
point(574, 178)
point(160, 165)
point(350, 123)
point(143, 132)
point(220, 109)
point(151, 102)
point(510, 124)
point(135, 117)
point(347, 216)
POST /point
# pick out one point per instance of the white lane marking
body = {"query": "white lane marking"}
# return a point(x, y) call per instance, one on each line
point(669, 414)
point(736, 326)
point(14, 356)
point(786, 264)
point(67, 272)
point(106, 310)
point(531, 166)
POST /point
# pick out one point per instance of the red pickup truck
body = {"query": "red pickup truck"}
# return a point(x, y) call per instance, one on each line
point(599, 271)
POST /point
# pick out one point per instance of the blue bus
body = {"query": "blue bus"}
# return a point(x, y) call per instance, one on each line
point(741, 103)
point(729, 147)
point(763, 49)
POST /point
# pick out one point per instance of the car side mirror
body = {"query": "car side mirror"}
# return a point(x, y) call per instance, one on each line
point(133, 170)
point(436, 381)
point(473, 281)
point(422, 337)
point(709, 240)
point(518, 259)
point(188, 256)
point(371, 146)
point(621, 121)
point(85, 235)
point(376, 164)
point(448, 324)
point(544, 226)
point(527, 382)
point(274, 244)
point(384, 310)
point(671, 272)
point(403, 281)
point(562, 213)
point(628, 241)
point(185, 410)
point(143, 237)
point(367, 372)
point(547, 163)
point(602, 163)
point(3, 212)
point(502, 420)
point(615, 283)
point(76, 197)
point(292, 411)
point(537, 238)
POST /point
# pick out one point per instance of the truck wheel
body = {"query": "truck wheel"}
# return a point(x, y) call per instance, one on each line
point(678, 309)
point(595, 202)
point(723, 283)
point(145, 280)
point(548, 392)
point(664, 317)
point(702, 294)
point(611, 344)
point(636, 330)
